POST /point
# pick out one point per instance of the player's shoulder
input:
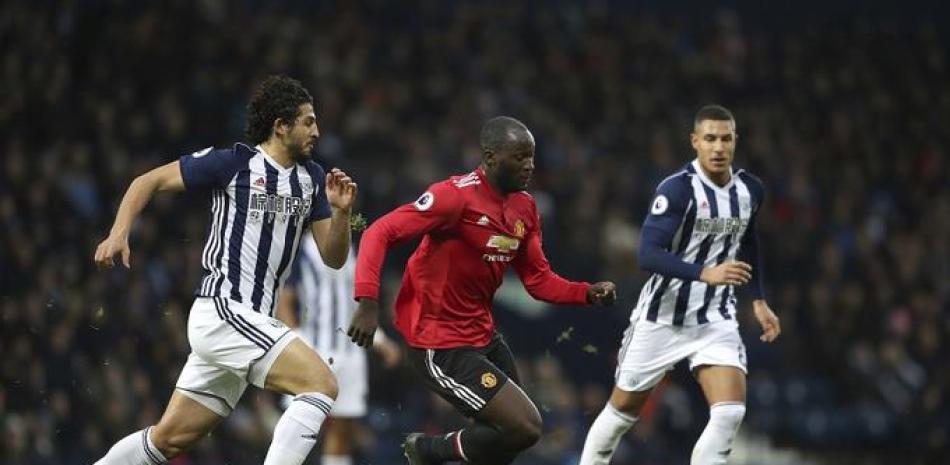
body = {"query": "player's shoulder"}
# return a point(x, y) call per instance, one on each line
point(314, 170)
point(679, 180)
point(754, 182)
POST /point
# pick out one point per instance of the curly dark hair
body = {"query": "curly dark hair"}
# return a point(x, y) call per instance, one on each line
point(276, 97)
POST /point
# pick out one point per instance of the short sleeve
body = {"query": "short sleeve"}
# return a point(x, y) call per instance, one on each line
point(209, 168)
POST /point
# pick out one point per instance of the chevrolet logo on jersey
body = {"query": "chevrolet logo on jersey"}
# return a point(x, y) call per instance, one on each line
point(503, 243)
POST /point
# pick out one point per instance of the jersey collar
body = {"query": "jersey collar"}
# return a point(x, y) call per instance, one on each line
point(270, 161)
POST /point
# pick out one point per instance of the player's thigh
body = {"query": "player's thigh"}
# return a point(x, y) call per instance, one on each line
point(721, 383)
point(299, 369)
point(719, 365)
point(184, 422)
point(512, 410)
point(648, 351)
point(462, 376)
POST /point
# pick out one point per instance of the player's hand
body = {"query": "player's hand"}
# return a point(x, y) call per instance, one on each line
point(767, 319)
point(111, 247)
point(341, 190)
point(603, 293)
point(364, 324)
point(731, 273)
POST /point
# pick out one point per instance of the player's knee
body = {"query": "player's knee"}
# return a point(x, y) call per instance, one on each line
point(728, 414)
point(324, 383)
point(526, 432)
point(172, 443)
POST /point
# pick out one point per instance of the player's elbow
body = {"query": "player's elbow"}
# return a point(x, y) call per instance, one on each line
point(647, 258)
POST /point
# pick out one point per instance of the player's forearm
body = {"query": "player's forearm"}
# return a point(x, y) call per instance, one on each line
point(656, 260)
point(554, 289)
point(138, 195)
point(338, 241)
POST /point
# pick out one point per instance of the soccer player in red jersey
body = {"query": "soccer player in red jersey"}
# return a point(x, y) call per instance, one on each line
point(474, 227)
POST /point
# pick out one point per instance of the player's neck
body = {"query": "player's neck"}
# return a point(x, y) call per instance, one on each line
point(278, 152)
point(719, 179)
point(492, 181)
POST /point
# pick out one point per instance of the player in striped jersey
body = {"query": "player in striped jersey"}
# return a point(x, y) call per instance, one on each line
point(322, 296)
point(699, 242)
point(264, 198)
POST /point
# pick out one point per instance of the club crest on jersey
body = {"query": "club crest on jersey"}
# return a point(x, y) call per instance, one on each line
point(259, 182)
point(489, 380)
point(519, 229)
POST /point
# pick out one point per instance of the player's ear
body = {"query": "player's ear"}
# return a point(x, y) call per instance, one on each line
point(281, 127)
point(489, 158)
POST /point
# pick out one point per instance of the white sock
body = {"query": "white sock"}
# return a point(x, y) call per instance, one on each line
point(134, 449)
point(336, 460)
point(604, 435)
point(296, 431)
point(715, 444)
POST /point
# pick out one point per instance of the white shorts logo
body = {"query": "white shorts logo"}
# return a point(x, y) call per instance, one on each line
point(424, 202)
point(660, 204)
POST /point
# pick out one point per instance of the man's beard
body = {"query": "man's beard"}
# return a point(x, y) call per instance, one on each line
point(300, 153)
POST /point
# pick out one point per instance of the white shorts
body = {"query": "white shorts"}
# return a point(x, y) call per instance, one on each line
point(650, 350)
point(350, 368)
point(231, 346)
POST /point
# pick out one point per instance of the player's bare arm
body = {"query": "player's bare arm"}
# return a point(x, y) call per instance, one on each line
point(729, 273)
point(333, 234)
point(771, 328)
point(164, 178)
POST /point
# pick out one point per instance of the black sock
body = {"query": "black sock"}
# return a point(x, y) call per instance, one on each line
point(439, 448)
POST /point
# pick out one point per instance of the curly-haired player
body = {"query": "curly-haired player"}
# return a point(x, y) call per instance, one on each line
point(264, 197)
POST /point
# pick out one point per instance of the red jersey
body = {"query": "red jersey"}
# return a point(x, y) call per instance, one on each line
point(472, 233)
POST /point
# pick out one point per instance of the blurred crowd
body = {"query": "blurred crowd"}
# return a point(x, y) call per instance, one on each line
point(845, 120)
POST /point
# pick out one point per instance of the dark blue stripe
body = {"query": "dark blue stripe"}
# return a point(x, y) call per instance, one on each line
point(214, 243)
point(267, 237)
point(734, 205)
point(241, 193)
point(219, 280)
point(208, 249)
point(289, 238)
point(221, 306)
point(151, 455)
point(711, 290)
point(682, 299)
point(685, 236)
point(239, 319)
point(323, 406)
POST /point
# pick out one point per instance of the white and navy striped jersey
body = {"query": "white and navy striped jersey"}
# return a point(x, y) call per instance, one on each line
point(259, 210)
point(694, 223)
point(324, 299)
